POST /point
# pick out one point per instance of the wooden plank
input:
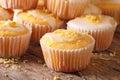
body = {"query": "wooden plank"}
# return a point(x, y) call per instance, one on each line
point(104, 66)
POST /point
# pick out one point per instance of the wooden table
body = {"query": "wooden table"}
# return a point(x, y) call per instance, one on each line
point(104, 66)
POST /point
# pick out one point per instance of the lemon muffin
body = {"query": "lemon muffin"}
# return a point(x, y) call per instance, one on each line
point(67, 50)
point(19, 4)
point(92, 9)
point(67, 9)
point(41, 22)
point(109, 7)
point(14, 39)
point(101, 27)
point(5, 14)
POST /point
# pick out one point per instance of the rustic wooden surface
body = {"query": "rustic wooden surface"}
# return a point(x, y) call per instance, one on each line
point(104, 66)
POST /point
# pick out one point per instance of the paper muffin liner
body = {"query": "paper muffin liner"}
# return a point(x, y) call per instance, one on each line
point(19, 4)
point(38, 30)
point(65, 9)
point(11, 47)
point(112, 12)
point(103, 36)
point(67, 60)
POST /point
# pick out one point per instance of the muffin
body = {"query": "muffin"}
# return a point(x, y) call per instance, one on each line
point(14, 39)
point(67, 9)
point(40, 21)
point(19, 4)
point(5, 14)
point(101, 27)
point(109, 7)
point(92, 9)
point(67, 50)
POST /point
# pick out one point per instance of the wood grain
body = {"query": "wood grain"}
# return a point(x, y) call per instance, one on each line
point(102, 67)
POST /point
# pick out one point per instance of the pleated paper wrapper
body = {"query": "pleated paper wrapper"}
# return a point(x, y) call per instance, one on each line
point(67, 60)
point(14, 46)
point(19, 4)
point(65, 9)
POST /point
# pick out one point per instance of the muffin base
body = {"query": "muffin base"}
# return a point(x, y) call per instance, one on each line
point(14, 46)
point(67, 60)
point(65, 9)
point(19, 4)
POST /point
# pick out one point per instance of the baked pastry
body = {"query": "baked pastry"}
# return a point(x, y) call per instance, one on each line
point(67, 9)
point(101, 27)
point(40, 21)
point(109, 7)
point(14, 39)
point(5, 14)
point(19, 4)
point(67, 50)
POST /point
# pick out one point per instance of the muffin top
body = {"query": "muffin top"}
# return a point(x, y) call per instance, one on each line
point(5, 14)
point(107, 1)
point(92, 9)
point(42, 17)
point(66, 39)
point(11, 28)
point(107, 4)
point(92, 21)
